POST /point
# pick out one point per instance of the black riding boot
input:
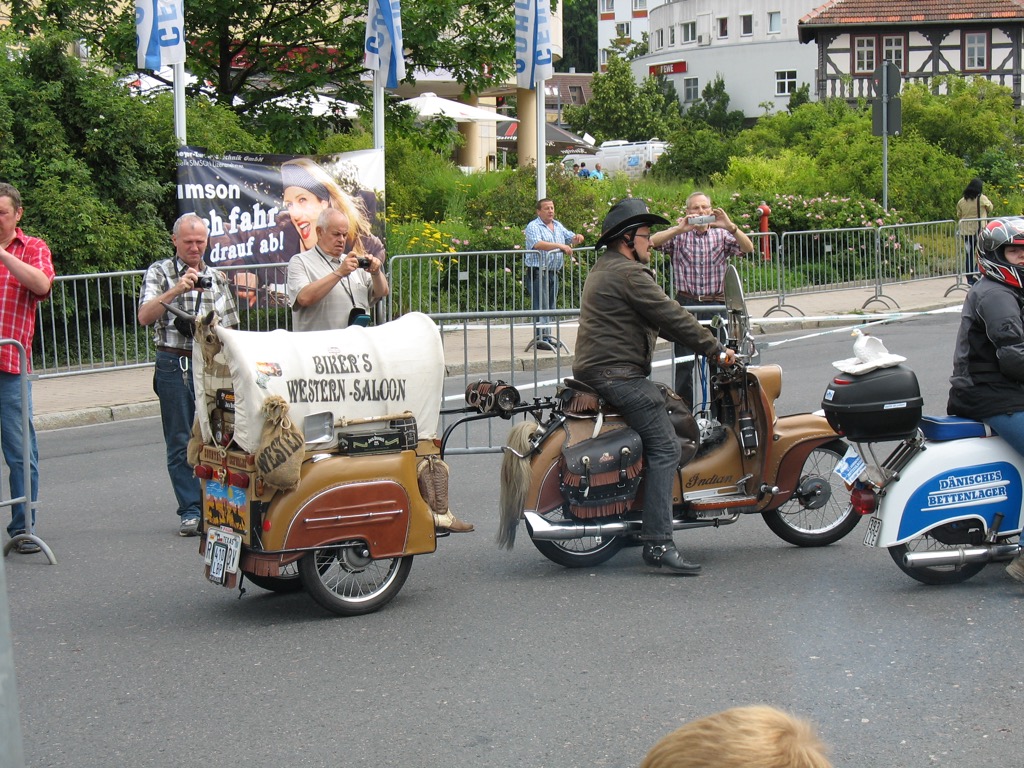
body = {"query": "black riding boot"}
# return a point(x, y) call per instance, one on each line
point(664, 554)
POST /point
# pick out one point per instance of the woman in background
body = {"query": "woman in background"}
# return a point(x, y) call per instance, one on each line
point(309, 189)
point(972, 212)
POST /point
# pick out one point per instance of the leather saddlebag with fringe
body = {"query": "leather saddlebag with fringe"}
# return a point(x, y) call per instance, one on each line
point(600, 475)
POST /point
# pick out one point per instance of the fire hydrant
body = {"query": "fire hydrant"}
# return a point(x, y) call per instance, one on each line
point(766, 242)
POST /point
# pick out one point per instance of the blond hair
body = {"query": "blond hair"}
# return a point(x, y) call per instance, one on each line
point(303, 172)
point(742, 737)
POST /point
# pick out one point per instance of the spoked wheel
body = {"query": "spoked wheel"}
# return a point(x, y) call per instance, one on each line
point(288, 580)
point(934, 574)
point(347, 581)
point(819, 513)
point(578, 553)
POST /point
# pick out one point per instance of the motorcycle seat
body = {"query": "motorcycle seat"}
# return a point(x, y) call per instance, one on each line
point(940, 428)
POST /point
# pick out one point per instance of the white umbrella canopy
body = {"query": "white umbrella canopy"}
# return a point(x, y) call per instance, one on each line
point(431, 105)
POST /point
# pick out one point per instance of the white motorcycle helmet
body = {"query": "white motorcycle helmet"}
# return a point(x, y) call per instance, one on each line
point(998, 234)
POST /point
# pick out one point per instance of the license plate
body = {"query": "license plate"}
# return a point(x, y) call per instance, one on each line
point(223, 550)
point(874, 528)
point(850, 467)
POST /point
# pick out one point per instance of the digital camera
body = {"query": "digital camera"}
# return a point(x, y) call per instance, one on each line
point(363, 262)
point(699, 221)
point(204, 283)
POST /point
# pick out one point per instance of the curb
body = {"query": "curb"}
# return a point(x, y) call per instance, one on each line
point(87, 417)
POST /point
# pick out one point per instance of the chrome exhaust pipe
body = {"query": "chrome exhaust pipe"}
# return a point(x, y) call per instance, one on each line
point(992, 552)
point(545, 530)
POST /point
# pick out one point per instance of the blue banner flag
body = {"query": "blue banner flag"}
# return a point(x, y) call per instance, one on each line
point(159, 33)
point(383, 46)
point(534, 58)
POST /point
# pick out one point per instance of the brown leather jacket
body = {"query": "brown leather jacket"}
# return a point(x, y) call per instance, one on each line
point(622, 313)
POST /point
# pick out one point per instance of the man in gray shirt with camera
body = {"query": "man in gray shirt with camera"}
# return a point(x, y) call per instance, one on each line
point(183, 283)
point(328, 289)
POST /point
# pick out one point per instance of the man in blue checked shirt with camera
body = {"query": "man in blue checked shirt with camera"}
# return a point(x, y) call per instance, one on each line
point(547, 245)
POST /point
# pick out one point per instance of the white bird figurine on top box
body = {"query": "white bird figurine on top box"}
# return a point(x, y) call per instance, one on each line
point(871, 354)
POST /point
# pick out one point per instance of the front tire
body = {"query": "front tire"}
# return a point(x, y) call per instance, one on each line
point(819, 512)
point(578, 553)
point(347, 581)
point(933, 574)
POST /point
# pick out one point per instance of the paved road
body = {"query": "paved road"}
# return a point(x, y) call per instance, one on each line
point(127, 657)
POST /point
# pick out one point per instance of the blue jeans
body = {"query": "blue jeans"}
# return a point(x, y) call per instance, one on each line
point(177, 396)
point(643, 407)
point(1010, 427)
point(12, 441)
point(542, 288)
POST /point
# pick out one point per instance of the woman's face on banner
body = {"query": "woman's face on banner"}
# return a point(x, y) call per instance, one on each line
point(304, 208)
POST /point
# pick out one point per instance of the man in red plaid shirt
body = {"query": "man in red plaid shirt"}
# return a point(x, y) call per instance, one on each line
point(700, 246)
point(26, 274)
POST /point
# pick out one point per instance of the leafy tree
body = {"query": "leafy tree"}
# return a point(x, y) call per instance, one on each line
point(970, 117)
point(94, 164)
point(799, 97)
point(619, 109)
point(250, 54)
point(579, 36)
point(712, 108)
point(694, 153)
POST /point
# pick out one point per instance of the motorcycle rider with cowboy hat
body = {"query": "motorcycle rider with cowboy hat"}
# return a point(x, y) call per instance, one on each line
point(623, 311)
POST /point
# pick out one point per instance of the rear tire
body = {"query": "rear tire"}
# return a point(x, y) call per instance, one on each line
point(347, 581)
point(578, 553)
point(819, 512)
point(286, 583)
point(934, 574)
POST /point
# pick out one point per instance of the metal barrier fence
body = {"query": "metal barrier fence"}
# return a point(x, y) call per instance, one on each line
point(475, 281)
point(90, 322)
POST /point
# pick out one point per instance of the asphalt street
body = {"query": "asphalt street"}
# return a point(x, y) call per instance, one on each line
point(126, 656)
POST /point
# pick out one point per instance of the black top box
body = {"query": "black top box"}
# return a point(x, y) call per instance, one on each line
point(878, 406)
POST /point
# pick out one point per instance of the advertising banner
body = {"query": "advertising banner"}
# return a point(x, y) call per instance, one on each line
point(262, 209)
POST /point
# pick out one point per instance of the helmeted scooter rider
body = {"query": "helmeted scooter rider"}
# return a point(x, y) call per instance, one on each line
point(622, 313)
point(988, 362)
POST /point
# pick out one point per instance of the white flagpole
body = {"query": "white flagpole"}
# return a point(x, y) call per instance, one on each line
point(378, 109)
point(179, 102)
point(542, 169)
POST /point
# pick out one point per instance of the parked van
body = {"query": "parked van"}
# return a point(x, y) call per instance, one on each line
point(629, 157)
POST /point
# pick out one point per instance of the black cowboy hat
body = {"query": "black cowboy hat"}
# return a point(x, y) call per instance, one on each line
point(625, 215)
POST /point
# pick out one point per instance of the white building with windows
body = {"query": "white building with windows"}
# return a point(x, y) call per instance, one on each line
point(752, 44)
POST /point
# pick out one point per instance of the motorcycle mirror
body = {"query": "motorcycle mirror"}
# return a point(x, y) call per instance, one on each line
point(318, 427)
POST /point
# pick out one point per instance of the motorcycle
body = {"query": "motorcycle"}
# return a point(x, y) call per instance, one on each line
point(367, 483)
point(946, 500)
point(574, 471)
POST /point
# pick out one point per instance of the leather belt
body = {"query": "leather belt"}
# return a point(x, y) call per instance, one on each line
point(175, 351)
point(610, 372)
point(709, 298)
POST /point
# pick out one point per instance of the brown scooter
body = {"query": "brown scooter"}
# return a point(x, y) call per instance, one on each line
point(574, 472)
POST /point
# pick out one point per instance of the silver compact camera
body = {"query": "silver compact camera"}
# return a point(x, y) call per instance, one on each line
point(699, 221)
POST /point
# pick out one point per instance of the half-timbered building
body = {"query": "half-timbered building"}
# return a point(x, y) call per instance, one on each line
point(923, 38)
